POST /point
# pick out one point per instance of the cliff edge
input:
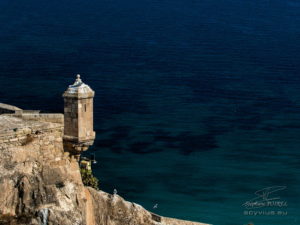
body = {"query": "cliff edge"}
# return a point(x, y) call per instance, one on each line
point(41, 184)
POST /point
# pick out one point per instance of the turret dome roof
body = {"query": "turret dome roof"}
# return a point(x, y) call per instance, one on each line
point(79, 89)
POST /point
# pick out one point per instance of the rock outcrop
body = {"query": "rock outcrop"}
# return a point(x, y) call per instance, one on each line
point(41, 184)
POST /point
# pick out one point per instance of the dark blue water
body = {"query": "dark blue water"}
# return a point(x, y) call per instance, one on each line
point(197, 102)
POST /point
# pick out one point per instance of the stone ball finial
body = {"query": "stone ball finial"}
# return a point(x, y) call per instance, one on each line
point(78, 80)
point(79, 88)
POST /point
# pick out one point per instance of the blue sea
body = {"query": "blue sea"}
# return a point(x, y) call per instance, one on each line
point(197, 102)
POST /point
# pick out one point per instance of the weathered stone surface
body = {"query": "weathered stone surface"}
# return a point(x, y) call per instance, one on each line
point(79, 131)
point(5, 108)
point(41, 184)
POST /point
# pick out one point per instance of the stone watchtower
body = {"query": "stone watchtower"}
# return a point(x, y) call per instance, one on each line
point(78, 117)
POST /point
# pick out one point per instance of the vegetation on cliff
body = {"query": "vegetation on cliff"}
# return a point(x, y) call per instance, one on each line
point(89, 179)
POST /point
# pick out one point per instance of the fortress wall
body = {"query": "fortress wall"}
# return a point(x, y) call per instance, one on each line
point(40, 136)
point(28, 112)
point(41, 117)
point(37, 174)
point(15, 131)
point(45, 117)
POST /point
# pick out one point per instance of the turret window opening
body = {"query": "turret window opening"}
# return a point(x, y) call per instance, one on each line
point(85, 107)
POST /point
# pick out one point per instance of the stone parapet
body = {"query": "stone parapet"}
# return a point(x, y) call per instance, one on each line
point(41, 117)
point(16, 131)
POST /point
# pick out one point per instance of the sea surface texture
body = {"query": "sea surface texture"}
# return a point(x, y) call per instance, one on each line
point(197, 102)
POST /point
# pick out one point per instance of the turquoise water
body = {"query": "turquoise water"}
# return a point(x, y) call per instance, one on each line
point(197, 102)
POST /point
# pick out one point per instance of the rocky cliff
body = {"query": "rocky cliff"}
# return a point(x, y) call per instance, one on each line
point(41, 184)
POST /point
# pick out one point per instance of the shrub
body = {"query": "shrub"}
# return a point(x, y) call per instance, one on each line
point(88, 178)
